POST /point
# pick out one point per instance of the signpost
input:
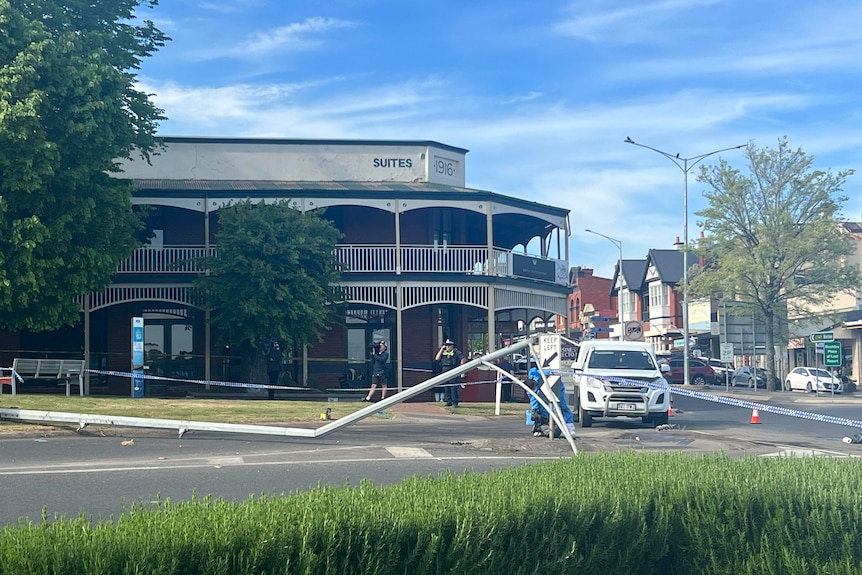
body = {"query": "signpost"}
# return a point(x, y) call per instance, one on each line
point(727, 359)
point(822, 336)
point(832, 354)
point(681, 342)
point(137, 357)
point(633, 331)
point(549, 351)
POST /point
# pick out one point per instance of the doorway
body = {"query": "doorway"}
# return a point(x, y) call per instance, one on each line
point(169, 348)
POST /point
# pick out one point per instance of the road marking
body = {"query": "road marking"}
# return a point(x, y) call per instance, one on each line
point(409, 452)
point(225, 460)
point(791, 452)
point(140, 468)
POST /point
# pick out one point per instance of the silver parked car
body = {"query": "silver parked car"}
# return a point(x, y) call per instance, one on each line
point(722, 370)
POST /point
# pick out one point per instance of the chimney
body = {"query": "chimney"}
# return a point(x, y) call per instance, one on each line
point(678, 244)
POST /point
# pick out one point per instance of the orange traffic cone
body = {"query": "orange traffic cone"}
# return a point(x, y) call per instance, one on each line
point(755, 417)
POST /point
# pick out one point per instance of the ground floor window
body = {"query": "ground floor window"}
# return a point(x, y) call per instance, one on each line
point(169, 348)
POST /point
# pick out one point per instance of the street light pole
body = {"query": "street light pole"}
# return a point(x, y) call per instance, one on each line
point(619, 245)
point(684, 164)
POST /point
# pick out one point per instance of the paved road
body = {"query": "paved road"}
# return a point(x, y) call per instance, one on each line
point(101, 471)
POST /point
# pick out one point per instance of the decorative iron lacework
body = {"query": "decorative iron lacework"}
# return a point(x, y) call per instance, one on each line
point(509, 299)
point(416, 296)
point(381, 295)
point(117, 295)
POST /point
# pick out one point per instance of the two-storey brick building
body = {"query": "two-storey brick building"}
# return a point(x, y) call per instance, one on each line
point(592, 307)
point(427, 258)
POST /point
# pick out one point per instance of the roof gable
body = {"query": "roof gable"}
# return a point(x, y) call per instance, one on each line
point(667, 265)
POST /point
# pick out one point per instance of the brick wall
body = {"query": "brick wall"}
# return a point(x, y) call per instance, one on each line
point(595, 290)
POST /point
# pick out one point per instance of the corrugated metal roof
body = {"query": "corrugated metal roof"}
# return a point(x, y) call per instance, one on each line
point(270, 185)
point(306, 142)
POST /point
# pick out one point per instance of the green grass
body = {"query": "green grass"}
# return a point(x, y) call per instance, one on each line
point(258, 411)
point(606, 513)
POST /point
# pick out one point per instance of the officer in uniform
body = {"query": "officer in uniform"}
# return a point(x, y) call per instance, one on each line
point(450, 357)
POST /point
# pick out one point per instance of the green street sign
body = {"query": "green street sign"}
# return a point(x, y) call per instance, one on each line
point(832, 354)
point(822, 336)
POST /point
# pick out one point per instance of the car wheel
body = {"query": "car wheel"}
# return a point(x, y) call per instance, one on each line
point(788, 386)
point(659, 419)
point(698, 380)
point(585, 417)
point(808, 387)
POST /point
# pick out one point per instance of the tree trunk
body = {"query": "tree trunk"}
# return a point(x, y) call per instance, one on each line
point(253, 364)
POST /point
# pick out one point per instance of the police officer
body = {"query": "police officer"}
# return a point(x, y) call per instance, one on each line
point(379, 367)
point(450, 357)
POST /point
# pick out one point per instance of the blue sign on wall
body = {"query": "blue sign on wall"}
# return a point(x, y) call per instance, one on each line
point(137, 357)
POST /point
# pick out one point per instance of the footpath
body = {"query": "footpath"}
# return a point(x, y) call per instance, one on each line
point(762, 395)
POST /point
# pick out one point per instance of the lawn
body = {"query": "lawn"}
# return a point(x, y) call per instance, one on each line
point(258, 411)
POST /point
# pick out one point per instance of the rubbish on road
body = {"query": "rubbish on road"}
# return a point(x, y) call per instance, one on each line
point(857, 438)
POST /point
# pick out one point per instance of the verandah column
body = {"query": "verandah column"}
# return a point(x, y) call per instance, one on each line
point(489, 271)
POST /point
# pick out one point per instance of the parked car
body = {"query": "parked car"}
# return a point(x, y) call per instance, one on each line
point(812, 379)
point(520, 362)
point(722, 370)
point(747, 376)
point(849, 384)
point(700, 372)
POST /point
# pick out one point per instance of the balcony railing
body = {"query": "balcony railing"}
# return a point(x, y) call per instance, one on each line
point(356, 259)
point(177, 259)
point(450, 259)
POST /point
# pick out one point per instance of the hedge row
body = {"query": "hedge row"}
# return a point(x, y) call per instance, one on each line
point(603, 513)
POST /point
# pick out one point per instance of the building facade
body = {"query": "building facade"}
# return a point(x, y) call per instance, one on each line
point(426, 257)
point(842, 317)
point(592, 308)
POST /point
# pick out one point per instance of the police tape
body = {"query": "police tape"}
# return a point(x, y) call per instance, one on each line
point(621, 380)
point(234, 384)
point(15, 374)
point(129, 374)
point(732, 401)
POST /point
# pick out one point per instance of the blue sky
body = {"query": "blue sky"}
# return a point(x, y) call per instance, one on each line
point(541, 92)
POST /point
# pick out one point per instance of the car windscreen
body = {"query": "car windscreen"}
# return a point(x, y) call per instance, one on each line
point(821, 373)
point(621, 359)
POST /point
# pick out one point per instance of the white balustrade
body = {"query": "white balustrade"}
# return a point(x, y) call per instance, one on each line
point(356, 259)
point(163, 260)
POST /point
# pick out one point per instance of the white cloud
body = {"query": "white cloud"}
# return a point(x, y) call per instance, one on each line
point(303, 35)
point(231, 6)
point(525, 98)
point(627, 24)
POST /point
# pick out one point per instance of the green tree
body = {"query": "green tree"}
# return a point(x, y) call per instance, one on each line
point(773, 239)
point(274, 276)
point(68, 111)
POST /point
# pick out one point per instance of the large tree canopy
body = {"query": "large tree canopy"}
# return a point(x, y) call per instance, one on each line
point(773, 238)
point(275, 276)
point(68, 111)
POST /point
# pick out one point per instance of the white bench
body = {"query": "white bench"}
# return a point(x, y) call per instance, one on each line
point(65, 371)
